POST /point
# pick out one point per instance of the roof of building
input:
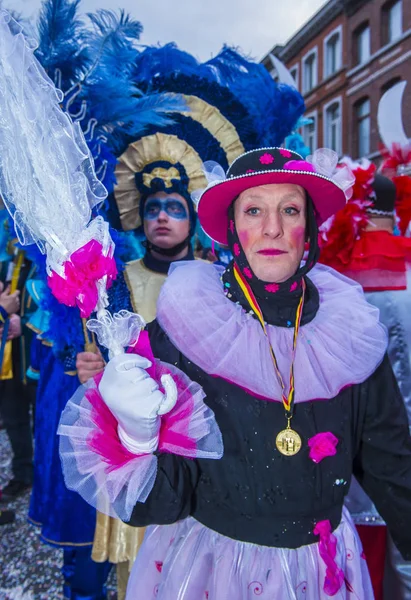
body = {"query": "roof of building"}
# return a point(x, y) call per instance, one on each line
point(307, 32)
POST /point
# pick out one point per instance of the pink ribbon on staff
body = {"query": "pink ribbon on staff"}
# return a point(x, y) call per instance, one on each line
point(82, 271)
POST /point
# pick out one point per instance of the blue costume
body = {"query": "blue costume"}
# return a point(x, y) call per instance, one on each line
point(96, 95)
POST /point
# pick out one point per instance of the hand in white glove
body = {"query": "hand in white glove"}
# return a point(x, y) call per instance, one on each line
point(136, 401)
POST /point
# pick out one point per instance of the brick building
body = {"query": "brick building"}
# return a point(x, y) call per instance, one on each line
point(343, 60)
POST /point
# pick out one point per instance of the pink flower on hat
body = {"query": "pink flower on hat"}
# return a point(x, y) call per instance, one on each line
point(299, 165)
point(272, 288)
point(285, 152)
point(266, 159)
point(236, 249)
point(250, 171)
point(293, 286)
point(232, 226)
point(247, 273)
point(322, 445)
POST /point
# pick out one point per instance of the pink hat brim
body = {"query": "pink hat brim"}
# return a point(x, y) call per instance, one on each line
point(215, 201)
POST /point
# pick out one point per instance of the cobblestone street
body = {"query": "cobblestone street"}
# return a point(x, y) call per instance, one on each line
point(30, 569)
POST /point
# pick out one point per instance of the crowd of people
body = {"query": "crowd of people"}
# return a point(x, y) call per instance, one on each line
point(254, 438)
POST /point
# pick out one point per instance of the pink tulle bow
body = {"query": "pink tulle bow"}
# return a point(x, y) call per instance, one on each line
point(299, 165)
point(82, 271)
point(334, 576)
point(322, 445)
point(174, 433)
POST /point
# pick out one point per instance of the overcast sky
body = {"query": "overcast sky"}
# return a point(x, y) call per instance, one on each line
point(203, 26)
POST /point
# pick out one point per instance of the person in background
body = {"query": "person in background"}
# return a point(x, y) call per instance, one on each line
point(17, 394)
point(9, 305)
point(360, 243)
point(168, 219)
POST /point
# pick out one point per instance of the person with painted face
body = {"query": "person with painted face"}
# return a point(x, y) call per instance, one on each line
point(240, 467)
point(168, 218)
point(168, 221)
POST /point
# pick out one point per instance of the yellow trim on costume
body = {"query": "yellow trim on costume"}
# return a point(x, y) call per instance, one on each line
point(39, 524)
point(71, 373)
point(147, 150)
point(32, 328)
point(167, 175)
point(172, 149)
point(217, 124)
point(16, 272)
point(6, 371)
point(130, 289)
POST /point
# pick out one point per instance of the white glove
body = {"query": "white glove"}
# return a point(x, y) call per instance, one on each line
point(135, 400)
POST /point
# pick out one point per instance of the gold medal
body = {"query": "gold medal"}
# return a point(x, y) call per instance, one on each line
point(288, 442)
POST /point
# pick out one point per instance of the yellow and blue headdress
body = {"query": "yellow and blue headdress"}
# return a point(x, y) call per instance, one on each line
point(231, 105)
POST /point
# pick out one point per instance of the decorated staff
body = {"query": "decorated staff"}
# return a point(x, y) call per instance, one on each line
point(46, 164)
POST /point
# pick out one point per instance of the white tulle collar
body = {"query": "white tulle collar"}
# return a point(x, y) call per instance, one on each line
point(341, 346)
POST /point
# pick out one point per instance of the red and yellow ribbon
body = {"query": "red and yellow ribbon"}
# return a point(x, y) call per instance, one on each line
point(288, 399)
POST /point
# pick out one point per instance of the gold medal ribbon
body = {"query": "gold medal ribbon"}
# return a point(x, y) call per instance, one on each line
point(288, 399)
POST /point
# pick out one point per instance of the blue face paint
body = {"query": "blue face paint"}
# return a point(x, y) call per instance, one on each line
point(173, 207)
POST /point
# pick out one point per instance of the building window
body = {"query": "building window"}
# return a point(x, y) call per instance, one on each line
point(332, 53)
point(309, 132)
point(310, 71)
point(363, 119)
point(294, 75)
point(362, 44)
point(391, 22)
point(333, 126)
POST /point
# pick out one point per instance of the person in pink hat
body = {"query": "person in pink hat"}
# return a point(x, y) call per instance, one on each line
point(233, 426)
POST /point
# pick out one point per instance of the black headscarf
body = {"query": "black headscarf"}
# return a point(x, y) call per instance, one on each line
point(278, 307)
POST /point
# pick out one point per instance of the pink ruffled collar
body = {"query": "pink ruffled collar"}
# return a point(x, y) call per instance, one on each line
point(341, 346)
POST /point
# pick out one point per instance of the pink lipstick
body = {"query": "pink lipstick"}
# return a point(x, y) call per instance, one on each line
point(271, 252)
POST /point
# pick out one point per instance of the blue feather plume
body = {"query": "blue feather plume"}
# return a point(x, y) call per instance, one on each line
point(157, 61)
point(275, 108)
point(62, 50)
point(107, 93)
point(262, 112)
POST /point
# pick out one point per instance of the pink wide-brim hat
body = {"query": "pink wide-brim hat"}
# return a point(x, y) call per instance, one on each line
point(261, 167)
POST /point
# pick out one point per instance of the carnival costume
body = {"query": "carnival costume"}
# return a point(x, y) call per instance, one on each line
point(17, 393)
point(226, 99)
point(379, 261)
point(82, 62)
point(266, 518)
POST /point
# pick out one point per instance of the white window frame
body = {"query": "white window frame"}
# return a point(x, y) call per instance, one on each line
point(313, 51)
point(359, 152)
point(336, 100)
point(357, 35)
point(395, 39)
point(296, 68)
point(312, 115)
point(338, 30)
